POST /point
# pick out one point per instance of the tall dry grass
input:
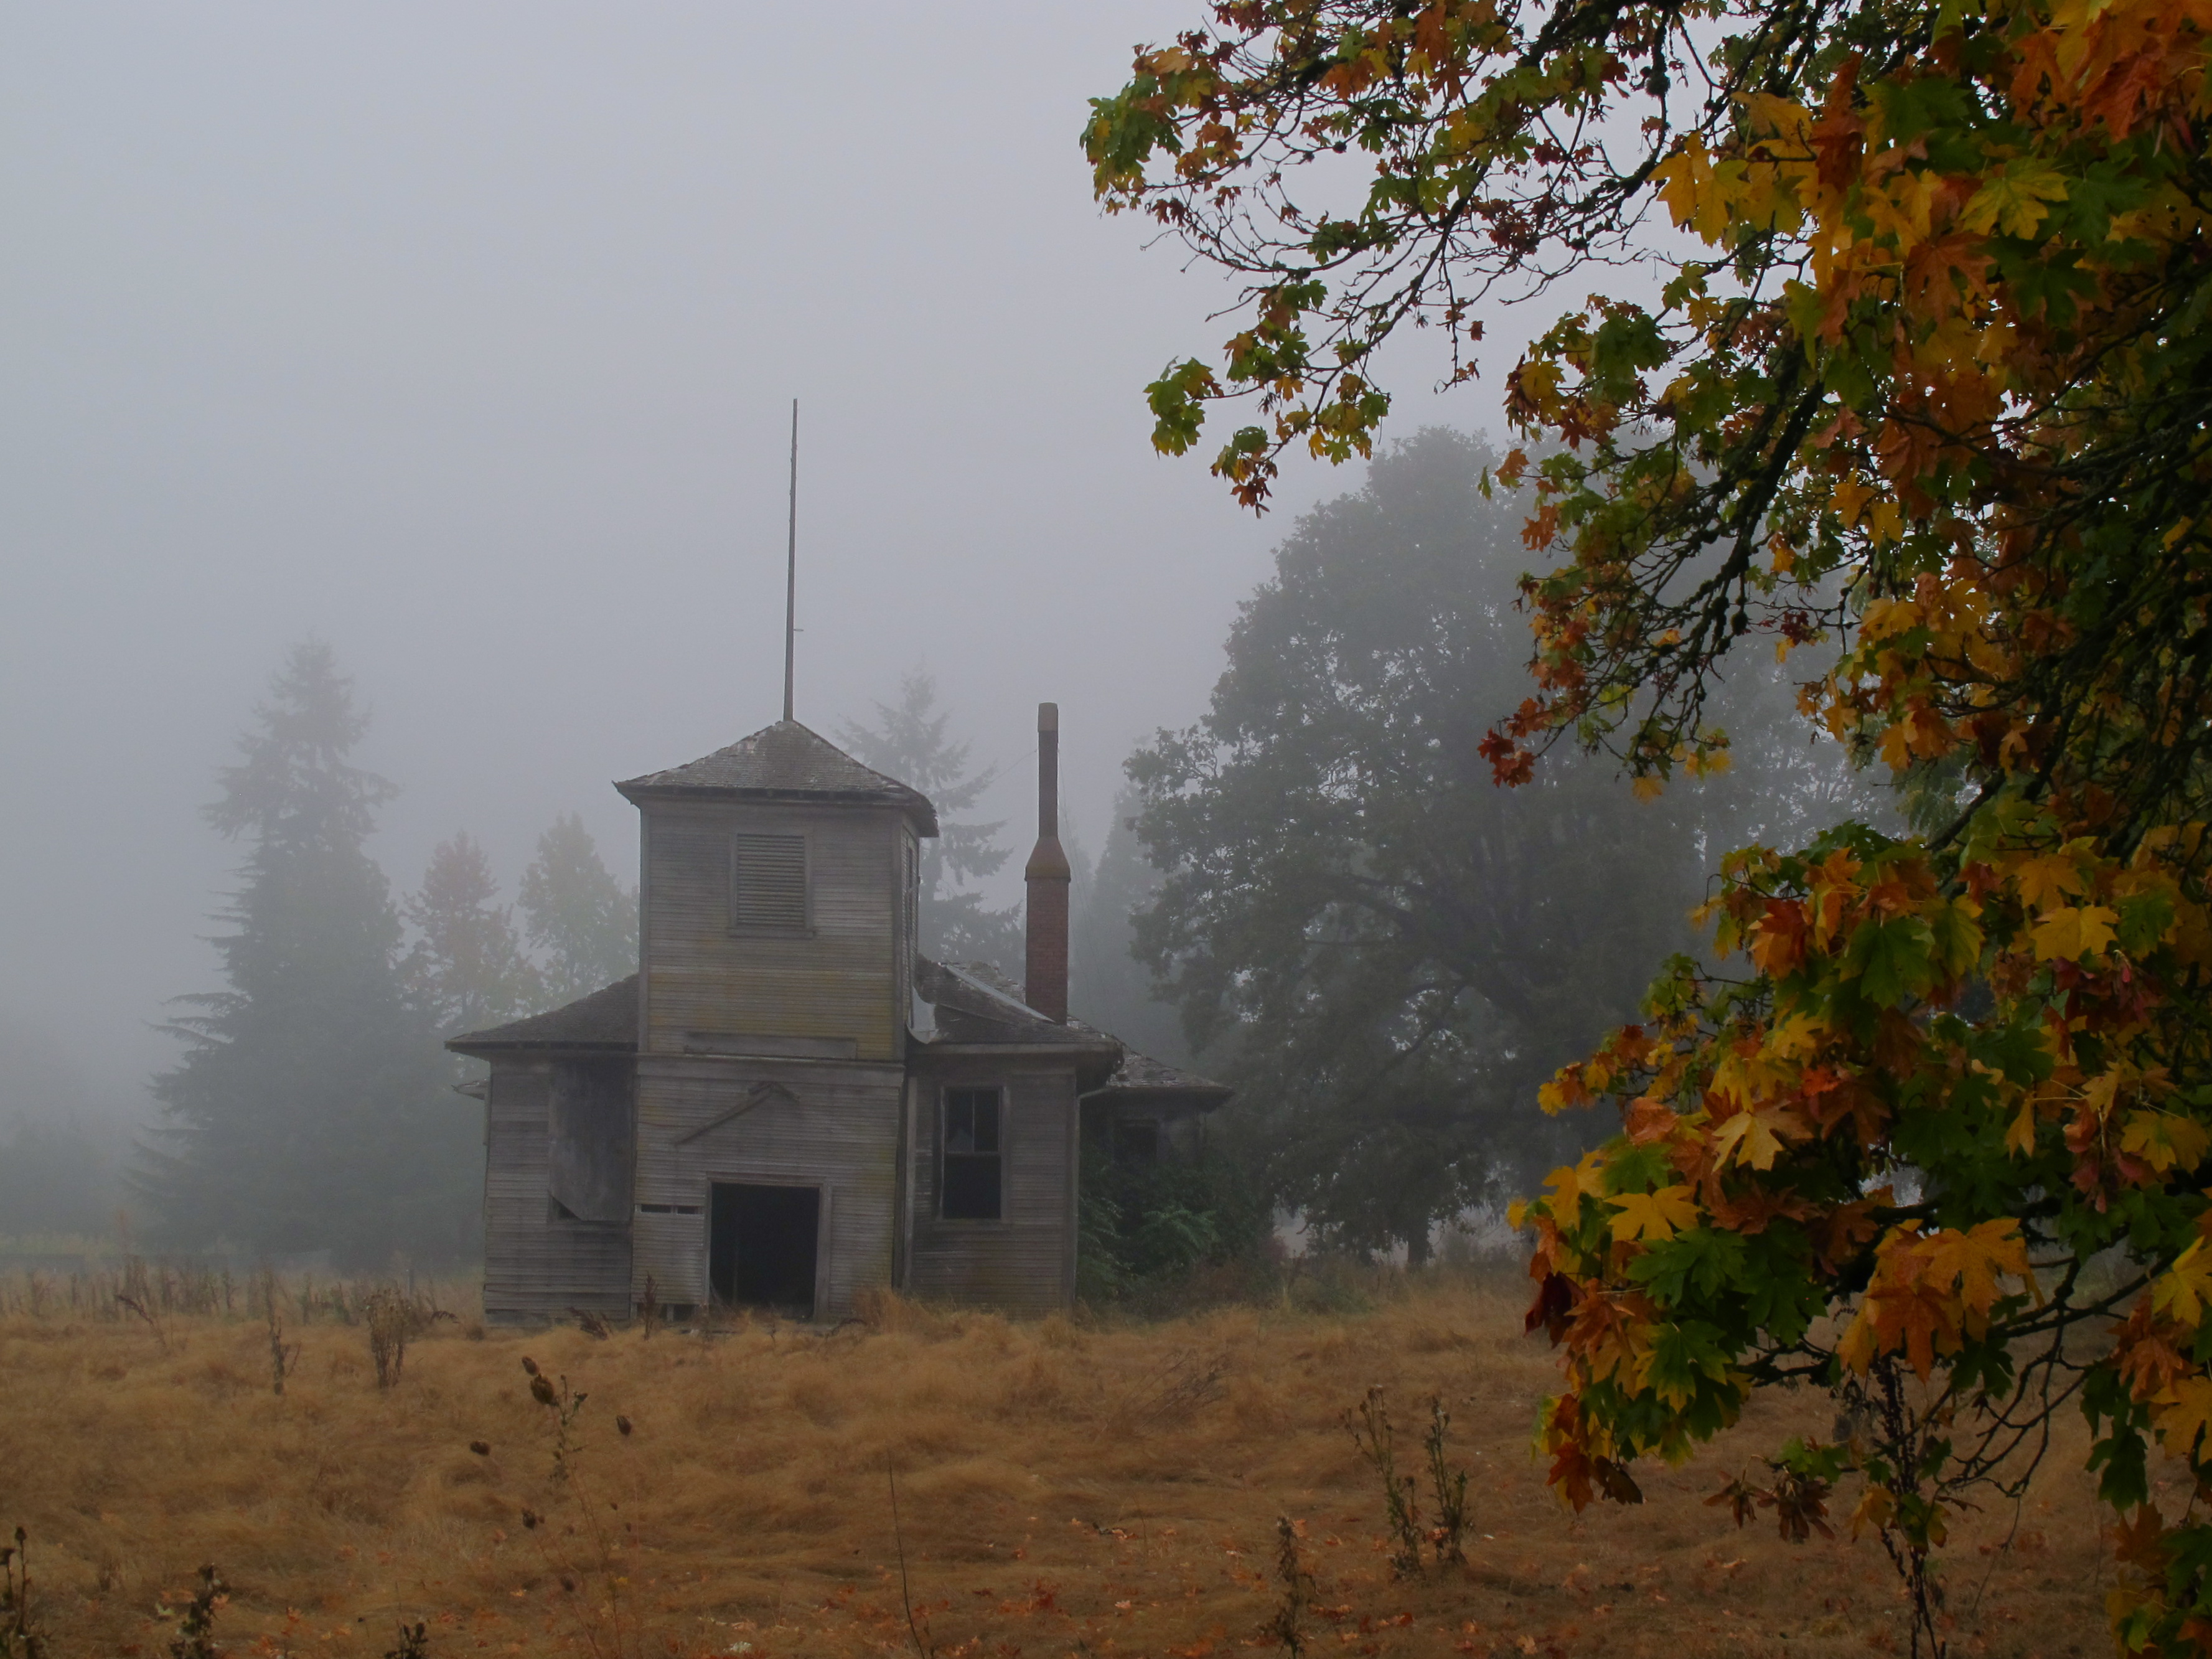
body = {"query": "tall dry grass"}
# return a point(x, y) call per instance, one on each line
point(1061, 1490)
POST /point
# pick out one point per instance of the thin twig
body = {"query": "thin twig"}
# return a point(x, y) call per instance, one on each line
point(1996, 1555)
point(898, 1538)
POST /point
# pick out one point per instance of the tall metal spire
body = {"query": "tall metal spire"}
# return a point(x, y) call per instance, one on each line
point(790, 567)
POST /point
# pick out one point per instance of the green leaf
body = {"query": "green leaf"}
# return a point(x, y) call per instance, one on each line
point(1892, 959)
point(2144, 918)
point(1701, 1260)
point(1177, 403)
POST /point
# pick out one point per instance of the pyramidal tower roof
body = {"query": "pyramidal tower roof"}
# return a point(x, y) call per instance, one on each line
point(785, 762)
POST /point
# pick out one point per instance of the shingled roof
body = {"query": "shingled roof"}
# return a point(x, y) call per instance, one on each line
point(1141, 1078)
point(975, 1004)
point(786, 761)
point(605, 1021)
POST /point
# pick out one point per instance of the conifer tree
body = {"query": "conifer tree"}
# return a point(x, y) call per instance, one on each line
point(309, 1111)
point(909, 742)
point(581, 920)
point(466, 970)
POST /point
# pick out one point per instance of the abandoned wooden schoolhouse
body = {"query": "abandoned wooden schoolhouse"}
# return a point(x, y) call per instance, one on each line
point(785, 1105)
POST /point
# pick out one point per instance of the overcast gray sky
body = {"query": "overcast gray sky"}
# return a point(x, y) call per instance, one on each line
point(462, 335)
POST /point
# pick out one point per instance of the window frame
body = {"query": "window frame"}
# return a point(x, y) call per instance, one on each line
point(739, 927)
point(946, 1155)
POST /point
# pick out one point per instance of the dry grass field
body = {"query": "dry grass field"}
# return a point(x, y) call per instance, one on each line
point(1061, 1491)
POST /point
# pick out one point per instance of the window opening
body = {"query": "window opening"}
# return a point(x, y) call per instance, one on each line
point(1136, 1143)
point(972, 1153)
point(767, 882)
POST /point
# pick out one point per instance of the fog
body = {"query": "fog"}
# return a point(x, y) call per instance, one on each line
point(463, 336)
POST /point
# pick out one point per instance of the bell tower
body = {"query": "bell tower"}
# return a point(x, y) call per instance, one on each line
point(776, 911)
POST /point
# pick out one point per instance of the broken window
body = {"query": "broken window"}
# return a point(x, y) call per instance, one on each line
point(767, 882)
point(970, 1187)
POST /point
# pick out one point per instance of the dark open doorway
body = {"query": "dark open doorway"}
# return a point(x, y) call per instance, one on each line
point(761, 1247)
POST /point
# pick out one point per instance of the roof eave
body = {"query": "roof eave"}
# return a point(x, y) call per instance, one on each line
point(1195, 1100)
point(639, 791)
point(1024, 1050)
point(463, 1045)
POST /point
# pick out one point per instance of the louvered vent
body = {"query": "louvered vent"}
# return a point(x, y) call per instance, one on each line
point(767, 882)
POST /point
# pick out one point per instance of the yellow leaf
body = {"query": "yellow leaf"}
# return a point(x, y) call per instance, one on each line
point(2182, 1291)
point(1897, 747)
point(1852, 494)
point(1691, 189)
point(2021, 1138)
point(2166, 1140)
point(1570, 1181)
point(2048, 881)
point(1655, 1216)
point(1876, 1507)
point(1647, 788)
point(1777, 115)
point(2181, 1412)
point(2101, 1092)
point(1796, 1037)
point(1565, 1191)
point(1743, 1079)
point(1750, 1137)
point(1857, 1350)
point(1901, 208)
point(2074, 931)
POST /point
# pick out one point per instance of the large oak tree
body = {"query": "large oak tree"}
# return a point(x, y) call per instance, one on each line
point(1384, 951)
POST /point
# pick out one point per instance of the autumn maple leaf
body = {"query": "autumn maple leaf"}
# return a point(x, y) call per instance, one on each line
point(1654, 1216)
point(1929, 1288)
point(1975, 1258)
point(2048, 881)
point(2073, 931)
point(1754, 1136)
point(2184, 1290)
point(2166, 1140)
point(1777, 943)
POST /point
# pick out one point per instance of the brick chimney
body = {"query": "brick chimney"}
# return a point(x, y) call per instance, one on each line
point(1044, 985)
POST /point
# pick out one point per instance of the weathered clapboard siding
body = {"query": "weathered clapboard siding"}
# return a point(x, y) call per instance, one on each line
point(816, 1123)
point(1025, 1261)
point(538, 1266)
point(843, 985)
